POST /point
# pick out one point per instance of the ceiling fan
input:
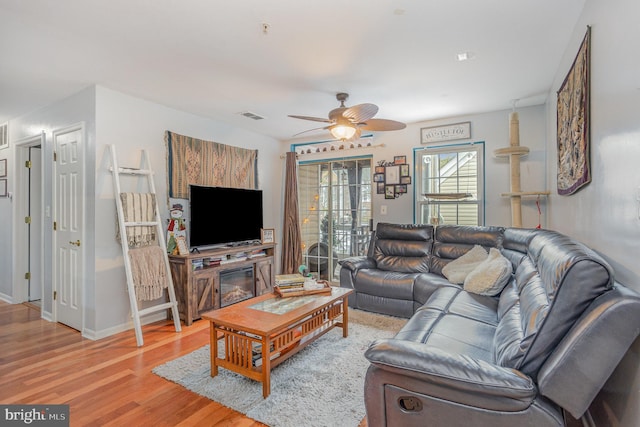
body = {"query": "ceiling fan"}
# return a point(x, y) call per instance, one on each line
point(347, 123)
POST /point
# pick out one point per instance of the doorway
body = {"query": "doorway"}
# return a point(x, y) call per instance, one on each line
point(65, 210)
point(35, 225)
point(29, 220)
point(335, 212)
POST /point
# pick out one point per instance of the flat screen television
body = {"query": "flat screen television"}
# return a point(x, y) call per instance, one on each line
point(221, 216)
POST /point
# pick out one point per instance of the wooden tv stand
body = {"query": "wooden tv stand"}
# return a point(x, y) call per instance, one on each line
point(197, 284)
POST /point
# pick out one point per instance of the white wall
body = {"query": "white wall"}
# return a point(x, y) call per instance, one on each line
point(605, 213)
point(6, 233)
point(493, 130)
point(133, 124)
point(75, 109)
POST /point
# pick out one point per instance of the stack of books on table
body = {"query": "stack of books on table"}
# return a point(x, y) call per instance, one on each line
point(256, 355)
point(240, 256)
point(290, 282)
point(257, 253)
point(213, 261)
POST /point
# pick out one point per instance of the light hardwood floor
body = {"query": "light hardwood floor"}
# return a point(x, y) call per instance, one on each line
point(105, 382)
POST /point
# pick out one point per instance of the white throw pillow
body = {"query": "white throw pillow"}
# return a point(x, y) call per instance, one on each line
point(458, 269)
point(491, 276)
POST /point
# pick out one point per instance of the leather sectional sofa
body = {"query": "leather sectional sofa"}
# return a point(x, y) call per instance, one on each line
point(539, 350)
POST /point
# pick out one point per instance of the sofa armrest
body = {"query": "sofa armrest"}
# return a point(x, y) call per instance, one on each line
point(348, 271)
point(581, 364)
point(356, 263)
point(453, 377)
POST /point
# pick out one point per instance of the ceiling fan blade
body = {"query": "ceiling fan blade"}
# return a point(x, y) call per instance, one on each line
point(382, 125)
point(310, 130)
point(314, 119)
point(336, 114)
point(361, 112)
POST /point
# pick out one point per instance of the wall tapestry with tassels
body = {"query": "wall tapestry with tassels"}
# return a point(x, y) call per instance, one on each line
point(208, 163)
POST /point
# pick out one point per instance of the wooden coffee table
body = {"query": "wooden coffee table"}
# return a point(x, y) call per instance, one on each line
point(262, 332)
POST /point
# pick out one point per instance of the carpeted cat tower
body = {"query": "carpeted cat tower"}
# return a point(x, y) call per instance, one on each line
point(514, 151)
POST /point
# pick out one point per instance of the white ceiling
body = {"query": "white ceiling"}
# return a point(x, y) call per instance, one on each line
point(212, 57)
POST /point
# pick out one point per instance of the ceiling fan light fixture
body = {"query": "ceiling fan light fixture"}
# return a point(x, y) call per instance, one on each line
point(342, 131)
point(347, 123)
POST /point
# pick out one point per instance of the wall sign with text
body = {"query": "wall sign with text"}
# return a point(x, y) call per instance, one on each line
point(445, 133)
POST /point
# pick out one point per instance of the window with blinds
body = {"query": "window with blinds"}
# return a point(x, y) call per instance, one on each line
point(449, 185)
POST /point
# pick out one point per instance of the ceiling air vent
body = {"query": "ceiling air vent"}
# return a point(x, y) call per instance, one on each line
point(251, 115)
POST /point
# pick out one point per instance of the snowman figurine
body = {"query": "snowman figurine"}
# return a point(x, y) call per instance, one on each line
point(176, 230)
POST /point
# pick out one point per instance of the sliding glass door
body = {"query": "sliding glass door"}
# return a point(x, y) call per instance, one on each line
point(335, 212)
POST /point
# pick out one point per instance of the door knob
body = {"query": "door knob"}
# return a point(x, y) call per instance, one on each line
point(76, 243)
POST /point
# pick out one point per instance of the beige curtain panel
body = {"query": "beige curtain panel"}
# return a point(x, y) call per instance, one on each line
point(291, 240)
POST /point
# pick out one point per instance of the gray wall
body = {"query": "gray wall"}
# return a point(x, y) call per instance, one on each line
point(605, 213)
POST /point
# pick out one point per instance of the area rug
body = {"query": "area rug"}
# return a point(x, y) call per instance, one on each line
point(322, 385)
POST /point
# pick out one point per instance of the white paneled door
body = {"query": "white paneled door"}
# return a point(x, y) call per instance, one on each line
point(69, 237)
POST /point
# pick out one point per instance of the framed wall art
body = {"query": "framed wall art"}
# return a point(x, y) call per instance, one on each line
point(392, 175)
point(401, 188)
point(392, 178)
point(390, 192)
point(3, 188)
point(4, 136)
point(399, 160)
point(573, 106)
point(3, 168)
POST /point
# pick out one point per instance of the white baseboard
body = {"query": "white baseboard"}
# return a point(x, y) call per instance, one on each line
point(6, 298)
point(96, 335)
point(103, 333)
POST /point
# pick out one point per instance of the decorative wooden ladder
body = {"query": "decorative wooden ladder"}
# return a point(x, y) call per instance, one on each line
point(137, 313)
point(513, 152)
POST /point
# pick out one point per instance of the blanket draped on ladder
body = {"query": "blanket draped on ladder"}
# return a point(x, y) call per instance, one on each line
point(146, 256)
point(138, 207)
point(149, 272)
